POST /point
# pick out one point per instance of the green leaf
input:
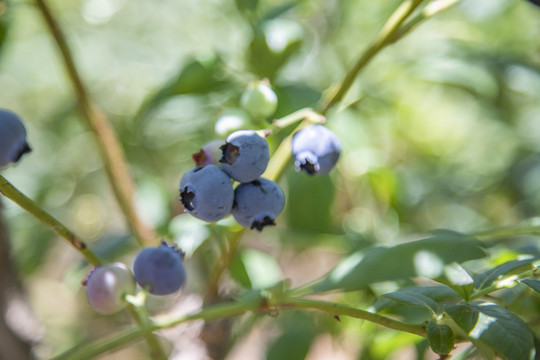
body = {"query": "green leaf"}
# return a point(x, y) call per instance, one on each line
point(200, 75)
point(415, 299)
point(426, 257)
point(435, 293)
point(533, 284)
point(457, 278)
point(247, 5)
point(498, 273)
point(497, 328)
point(274, 42)
point(295, 342)
point(305, 212)
point(5, 21)
point(440, 337)
point(255, 269)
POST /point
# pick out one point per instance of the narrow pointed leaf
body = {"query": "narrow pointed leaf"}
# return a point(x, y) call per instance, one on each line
point(414, 299)
point(533, 284)
point(497, 273)
point(425, 257)
point(435, 293)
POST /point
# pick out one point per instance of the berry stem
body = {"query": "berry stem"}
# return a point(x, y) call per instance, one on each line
point(223, 264)
point(111, 151)
point(302, 114)
point(497, 285)
point(430, 10)
point(140, 315)
point(386, 36)
point(12, 193)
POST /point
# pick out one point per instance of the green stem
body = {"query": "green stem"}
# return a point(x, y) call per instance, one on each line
point(12, 193)
point(336, 309)
point(140, 315)
point(430, 10)
point(109, 145)
point(497, 284)
point(385, 37)
point(302, 114)
point(255, 304)
point(222, 265)
point(101, 346)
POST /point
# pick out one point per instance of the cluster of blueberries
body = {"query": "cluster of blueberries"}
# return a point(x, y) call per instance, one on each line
point(206, 192)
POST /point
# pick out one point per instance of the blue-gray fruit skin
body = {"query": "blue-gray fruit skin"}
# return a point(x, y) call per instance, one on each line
point(13, 142)
point(258, 203)
point(245, 155)
point(207, 192)
point(160, 269)
point(315, 149)
point(106, 287)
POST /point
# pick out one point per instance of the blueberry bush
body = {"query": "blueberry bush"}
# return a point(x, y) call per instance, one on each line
point(204, 179)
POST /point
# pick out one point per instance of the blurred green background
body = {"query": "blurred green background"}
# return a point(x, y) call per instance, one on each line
point(441, 131)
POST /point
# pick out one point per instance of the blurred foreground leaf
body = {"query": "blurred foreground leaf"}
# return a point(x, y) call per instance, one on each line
point(426, 257)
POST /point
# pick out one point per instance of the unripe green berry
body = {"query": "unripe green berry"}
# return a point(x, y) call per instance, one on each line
point(259, 100)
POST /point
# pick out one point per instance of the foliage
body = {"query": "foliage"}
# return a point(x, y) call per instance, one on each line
point(434, 101)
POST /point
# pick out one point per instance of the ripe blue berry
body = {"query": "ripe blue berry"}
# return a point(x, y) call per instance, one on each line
point(106, 287)
point(258, 203)
point(160, 269)
point(315, 149)
point(245, 155)
point(13, 143)
point(207, 192)
point(259, 100)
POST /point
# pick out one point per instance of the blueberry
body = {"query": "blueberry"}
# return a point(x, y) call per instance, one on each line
point(259, 100)
point(210, 153)
point(258, 203)
point(535, 2)
point(207, 192)
point(106, 287)
point(245, 155)
point(315, 149)
point(13, 142)
point(160, 269)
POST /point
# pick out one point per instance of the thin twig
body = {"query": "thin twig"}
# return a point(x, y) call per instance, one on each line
point(256, 304)
point(384, 38)
point(12, 193)
point(109, 145)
